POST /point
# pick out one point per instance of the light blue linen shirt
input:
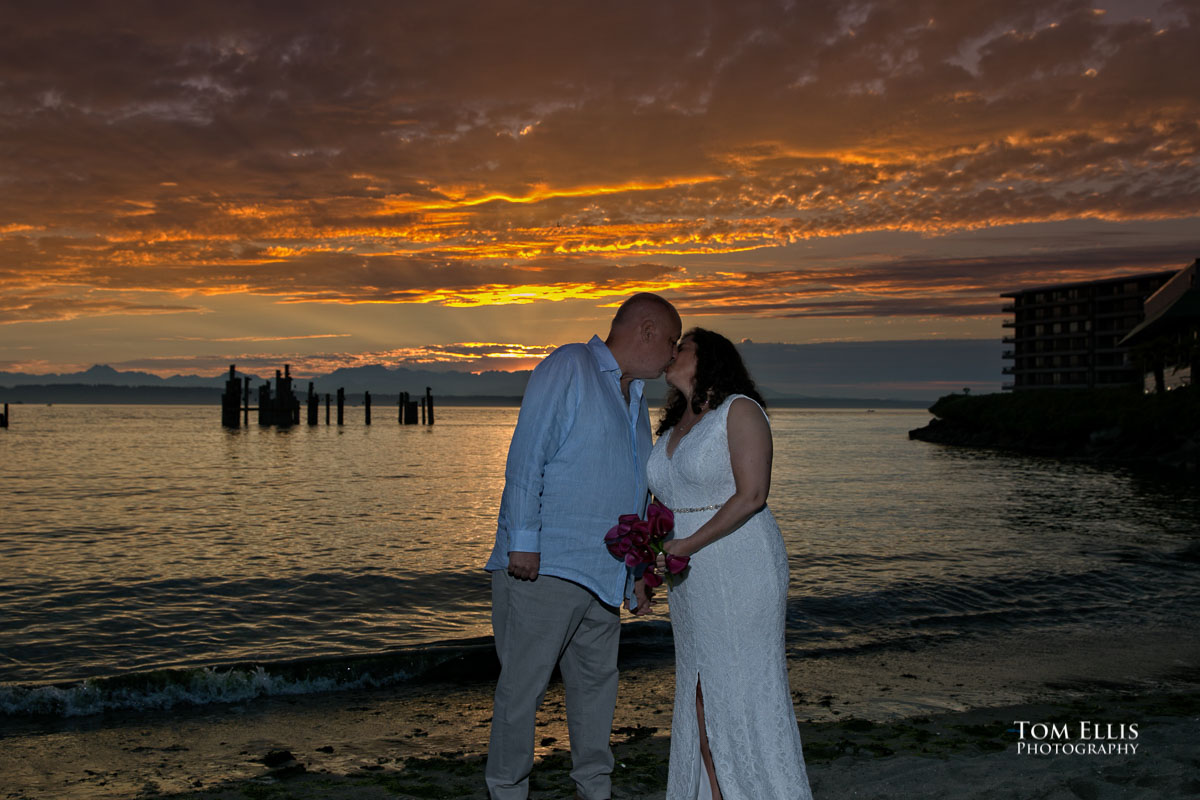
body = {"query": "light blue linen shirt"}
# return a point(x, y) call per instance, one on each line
point(577, 462)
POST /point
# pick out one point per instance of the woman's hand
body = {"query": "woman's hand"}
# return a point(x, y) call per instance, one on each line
point(676, 547)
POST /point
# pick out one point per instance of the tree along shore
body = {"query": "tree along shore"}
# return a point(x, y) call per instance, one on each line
point(1119, 424)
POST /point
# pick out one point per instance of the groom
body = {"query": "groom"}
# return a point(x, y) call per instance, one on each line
point(577, 462)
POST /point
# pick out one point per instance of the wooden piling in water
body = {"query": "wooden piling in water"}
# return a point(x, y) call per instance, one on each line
point(4, 417)
point(293, 402)
point(231, 399)
point(408, 409)
point(286, 409)
point(279, 405)
point(264, 404)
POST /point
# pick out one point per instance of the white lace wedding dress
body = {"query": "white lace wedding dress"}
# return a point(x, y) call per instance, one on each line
point(727, 615)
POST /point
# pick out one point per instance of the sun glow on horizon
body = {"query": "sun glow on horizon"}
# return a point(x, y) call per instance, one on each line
point(770, 171)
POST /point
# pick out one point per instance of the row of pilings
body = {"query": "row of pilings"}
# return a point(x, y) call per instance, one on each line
point(281, 407)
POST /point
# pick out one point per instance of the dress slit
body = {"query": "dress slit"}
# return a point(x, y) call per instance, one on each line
point(703, 785)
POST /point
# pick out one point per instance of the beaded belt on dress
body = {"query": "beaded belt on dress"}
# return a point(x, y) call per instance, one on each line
point(701, 508)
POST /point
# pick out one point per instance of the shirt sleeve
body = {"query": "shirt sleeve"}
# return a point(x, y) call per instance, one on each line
point(548, 412)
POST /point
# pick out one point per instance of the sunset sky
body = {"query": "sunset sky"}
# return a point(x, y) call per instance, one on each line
point(187, 185)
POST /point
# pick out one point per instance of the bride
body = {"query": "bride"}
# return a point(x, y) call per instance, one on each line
point(734, 731)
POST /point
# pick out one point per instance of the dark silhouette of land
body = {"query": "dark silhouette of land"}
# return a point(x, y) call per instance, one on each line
point(1116, 425)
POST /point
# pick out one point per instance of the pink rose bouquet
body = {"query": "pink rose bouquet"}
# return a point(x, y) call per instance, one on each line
point(638, 541)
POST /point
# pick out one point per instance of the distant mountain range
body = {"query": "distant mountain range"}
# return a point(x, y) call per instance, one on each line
point(104, 375)
point(355, 380)
point(893, 373)
point(105, 386)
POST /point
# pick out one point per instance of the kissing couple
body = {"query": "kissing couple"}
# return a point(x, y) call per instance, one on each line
point(581, 456)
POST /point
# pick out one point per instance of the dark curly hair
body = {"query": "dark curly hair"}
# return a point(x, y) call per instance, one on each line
point(720, 372)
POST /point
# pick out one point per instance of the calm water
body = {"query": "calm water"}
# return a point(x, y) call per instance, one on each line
point(134, 538)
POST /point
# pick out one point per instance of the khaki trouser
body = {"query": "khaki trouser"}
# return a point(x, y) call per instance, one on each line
point(536, 625)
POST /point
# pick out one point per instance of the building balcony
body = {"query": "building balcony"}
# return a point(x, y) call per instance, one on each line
point(1064, 368)
point(1008, 354)
point(1063, 352)
point(1008, 309)
point(1007, 386)
point(1009, 323)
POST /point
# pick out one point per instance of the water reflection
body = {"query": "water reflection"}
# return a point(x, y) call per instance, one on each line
point(151, 535)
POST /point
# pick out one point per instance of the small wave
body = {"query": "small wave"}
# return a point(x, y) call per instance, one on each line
point(169, 688)
point(1152, 587)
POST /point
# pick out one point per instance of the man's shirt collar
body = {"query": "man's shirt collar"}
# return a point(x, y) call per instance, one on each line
point(603, 355)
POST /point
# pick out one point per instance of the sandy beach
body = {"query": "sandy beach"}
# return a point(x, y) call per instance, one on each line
point(939, 723)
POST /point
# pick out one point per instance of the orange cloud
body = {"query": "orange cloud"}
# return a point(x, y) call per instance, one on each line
point(474, 357)
point(401, 155)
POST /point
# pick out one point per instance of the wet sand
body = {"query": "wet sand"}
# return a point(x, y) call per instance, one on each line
point(935, 723)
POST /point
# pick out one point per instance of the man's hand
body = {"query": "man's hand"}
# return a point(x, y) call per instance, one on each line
point(524, 566)
point(644, 595)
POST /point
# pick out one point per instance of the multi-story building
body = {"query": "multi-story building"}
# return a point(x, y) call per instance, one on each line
point(1069, 335)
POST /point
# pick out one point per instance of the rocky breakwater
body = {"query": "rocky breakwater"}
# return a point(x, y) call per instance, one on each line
point(1118, 425)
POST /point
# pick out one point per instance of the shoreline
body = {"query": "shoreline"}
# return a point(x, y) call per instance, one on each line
point(398, 748)
point(928, 723)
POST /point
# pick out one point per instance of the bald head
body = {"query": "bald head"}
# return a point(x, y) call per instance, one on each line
point(641, 306)
point(643, 336)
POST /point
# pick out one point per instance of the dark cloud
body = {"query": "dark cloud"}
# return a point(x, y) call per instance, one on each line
point(950, 287)
point(453, 152)
point(47, 307)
